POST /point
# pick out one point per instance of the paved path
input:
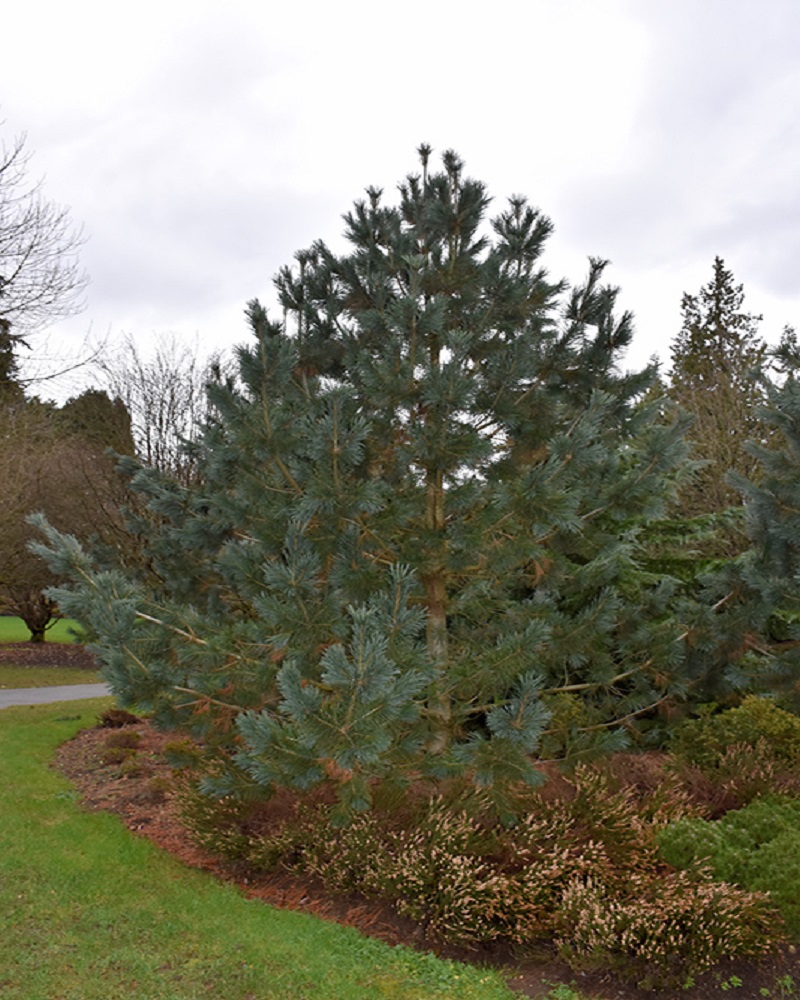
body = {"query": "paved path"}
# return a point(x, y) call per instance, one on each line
point(39, 696)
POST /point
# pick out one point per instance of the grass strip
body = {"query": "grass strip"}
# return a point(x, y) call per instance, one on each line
point(34, 677)
point(91, 911)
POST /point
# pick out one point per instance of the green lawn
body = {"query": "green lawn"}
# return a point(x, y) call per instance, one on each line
point(14, 630)
point(90, 911)
point(33, 677)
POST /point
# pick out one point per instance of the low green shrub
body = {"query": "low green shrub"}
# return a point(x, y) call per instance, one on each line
point(126, 738)
point(705, 741)
point(761, 821)
point(757, 847)
point(115, 755)
point(183, 753)
point(776, 869)
point(133, 766)
point(690, 842)
point(119, 747)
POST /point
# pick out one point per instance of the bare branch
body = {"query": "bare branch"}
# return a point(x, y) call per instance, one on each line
point(41, 279)
point(165, 395)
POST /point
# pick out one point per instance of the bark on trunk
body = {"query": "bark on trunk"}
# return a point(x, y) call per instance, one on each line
point(435, 583)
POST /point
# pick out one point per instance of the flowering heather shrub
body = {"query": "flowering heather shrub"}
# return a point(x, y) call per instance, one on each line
point(437, 874)
point(733, 757)
point(746, 770)
point(347, 859)
point(595, 813)
point(660, 795)
point(741, 774)
point(539, 887)
point(214, 824)
point(582, 867)
point(469, 902)
point(665, 930)
point(283, 847)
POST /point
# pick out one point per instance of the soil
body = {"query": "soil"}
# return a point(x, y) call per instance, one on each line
point(144, 798)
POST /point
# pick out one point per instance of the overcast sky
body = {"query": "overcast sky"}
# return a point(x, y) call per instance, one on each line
point(202, 143)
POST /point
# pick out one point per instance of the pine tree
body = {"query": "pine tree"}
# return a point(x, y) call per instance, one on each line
point(415, 544)
point(715, 358)
point(11, 392)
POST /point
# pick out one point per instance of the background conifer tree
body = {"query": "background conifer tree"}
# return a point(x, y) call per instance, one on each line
point(414, 545)
point(715, 360)
point(757, 625)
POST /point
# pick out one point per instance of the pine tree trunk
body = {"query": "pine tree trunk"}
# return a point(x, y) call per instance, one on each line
point(435, 583)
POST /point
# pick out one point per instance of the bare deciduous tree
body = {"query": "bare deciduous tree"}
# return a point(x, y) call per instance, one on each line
point(40, 274)
point(165, 394)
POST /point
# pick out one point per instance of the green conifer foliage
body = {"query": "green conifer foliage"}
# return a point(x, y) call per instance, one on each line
point(715, 358)
point(762, 591)
point(414, 549)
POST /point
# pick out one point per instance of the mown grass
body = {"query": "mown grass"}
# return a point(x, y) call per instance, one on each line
point(91, 911)
point(14, 630)
point(31, 677)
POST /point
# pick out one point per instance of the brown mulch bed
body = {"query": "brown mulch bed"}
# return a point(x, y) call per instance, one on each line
point(47, 654)
point(144, 799)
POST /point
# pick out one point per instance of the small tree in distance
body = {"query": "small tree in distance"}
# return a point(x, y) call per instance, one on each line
point(165, 394)
point(413, 547)
point(715, 360)
point(54, 461)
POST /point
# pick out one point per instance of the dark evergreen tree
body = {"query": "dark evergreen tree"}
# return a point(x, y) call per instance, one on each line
point(415, 545)
point(11, 391)
point(98, 420)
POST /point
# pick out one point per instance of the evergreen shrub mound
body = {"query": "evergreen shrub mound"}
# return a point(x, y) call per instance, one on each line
point(741, 753)
point(705, 741)
point(580, 868)
point(757, 847)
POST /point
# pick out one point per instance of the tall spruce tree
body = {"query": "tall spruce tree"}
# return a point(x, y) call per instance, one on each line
point(414, 548)
point(715, 358)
